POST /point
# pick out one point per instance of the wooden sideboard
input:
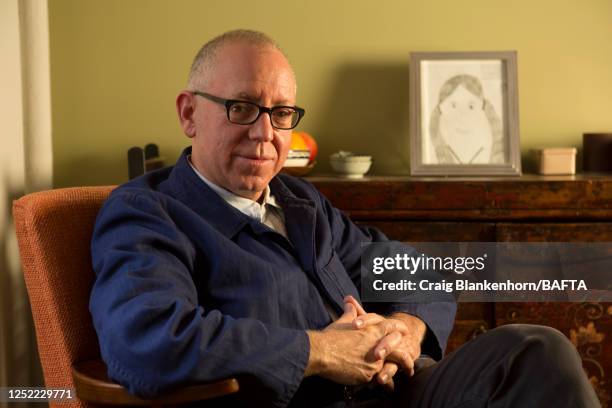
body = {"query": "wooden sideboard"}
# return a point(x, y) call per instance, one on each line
point(521, 209)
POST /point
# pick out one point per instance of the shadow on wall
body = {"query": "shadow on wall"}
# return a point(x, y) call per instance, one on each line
point(93, 170)
point(19, 354)
point(367, 113)
point(99, 170)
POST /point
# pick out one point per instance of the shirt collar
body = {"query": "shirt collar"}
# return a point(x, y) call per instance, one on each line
point(246, 206)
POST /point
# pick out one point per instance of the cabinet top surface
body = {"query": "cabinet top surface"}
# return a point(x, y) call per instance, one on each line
point(585, 177)
point(581, 196)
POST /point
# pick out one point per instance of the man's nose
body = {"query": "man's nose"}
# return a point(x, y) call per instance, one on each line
point(262, 129)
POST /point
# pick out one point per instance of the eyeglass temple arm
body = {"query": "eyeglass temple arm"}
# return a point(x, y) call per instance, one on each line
point(210, 97)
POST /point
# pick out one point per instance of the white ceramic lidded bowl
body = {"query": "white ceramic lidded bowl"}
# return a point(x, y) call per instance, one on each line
point(350, 165)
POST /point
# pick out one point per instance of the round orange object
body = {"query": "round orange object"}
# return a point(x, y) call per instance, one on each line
point(298, 142)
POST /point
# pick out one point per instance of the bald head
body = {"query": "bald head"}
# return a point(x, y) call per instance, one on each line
point(205, 60)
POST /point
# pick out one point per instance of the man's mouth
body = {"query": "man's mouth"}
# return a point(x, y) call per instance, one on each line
point(255, 158)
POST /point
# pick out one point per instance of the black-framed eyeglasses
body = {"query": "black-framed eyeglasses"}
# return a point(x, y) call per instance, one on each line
point(246, 113)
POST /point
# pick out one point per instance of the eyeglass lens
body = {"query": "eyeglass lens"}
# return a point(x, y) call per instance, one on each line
point(245, 112)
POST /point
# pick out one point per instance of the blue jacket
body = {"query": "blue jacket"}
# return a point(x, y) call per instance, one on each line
point(189, 289)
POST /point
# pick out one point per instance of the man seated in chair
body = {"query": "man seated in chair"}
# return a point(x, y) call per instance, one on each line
point(220, 267)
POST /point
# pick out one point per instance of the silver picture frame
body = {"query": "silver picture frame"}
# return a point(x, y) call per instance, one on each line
point(464, 118)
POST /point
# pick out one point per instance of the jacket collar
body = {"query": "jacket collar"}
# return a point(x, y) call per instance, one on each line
point(300, 220)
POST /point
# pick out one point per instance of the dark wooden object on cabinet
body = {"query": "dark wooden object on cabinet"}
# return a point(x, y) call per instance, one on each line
point(525, 209)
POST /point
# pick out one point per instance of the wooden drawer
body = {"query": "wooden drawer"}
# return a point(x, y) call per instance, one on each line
point(472, 320)
point(428, 231)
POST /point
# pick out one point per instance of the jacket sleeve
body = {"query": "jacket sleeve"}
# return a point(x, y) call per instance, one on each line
point(348, 239)
point(153, 332)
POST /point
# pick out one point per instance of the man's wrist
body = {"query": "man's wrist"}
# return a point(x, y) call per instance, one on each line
point(315, 360)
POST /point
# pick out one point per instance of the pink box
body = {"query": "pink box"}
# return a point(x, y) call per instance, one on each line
point(556, 160)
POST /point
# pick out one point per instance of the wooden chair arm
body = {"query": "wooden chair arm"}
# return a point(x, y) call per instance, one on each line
point(92, 385)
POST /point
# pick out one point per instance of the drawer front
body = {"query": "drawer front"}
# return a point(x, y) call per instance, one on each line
point(472, 320)
point(439, 231)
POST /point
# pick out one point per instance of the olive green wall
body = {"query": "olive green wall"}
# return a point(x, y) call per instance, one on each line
point(116, 66)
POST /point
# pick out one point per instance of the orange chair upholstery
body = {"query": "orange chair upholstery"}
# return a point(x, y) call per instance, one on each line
point(54, 231)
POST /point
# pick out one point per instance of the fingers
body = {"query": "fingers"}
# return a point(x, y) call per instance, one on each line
point(390, 325)
point(365, 319)
point(385, 376)
point(402, 358)
point(350, 313)
point(369, 319)
point(354, 302)
point(387, 344)
point(386, 325)
point(390, 385)
point(393, 348)
point(349, 309)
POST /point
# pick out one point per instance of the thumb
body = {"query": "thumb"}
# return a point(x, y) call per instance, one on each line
point(350, 313)
point(358, 307)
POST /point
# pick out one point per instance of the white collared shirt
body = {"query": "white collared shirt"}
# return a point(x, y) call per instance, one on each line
point(268, 213)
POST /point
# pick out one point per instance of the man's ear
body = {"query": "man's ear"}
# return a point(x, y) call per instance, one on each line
point(185, 107)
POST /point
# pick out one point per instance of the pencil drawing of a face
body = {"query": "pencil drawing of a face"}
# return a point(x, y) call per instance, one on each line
point(464, 127)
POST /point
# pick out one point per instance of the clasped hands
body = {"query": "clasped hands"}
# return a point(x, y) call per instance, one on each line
point(361, 347)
